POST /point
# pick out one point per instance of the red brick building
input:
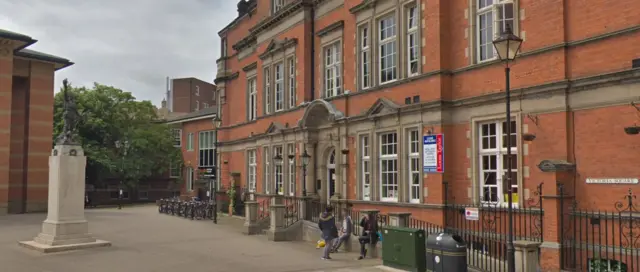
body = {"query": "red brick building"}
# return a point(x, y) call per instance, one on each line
point(191, 94)
point(26, 122)
point(357, 84)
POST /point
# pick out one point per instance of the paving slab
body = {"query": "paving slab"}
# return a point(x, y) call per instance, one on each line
point(143, 240)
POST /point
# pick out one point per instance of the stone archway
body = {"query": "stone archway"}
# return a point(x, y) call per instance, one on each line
point(318, 113)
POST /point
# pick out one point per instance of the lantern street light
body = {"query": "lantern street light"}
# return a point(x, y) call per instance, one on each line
point(305, 162)
point(217, 122)
point(507, 46)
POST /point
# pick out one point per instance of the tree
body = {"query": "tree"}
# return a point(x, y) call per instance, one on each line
point(121, 137)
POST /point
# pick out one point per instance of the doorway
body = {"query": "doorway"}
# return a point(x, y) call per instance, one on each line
point(331, 175)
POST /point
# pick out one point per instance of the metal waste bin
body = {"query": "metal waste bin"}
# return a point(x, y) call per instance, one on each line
point(446, 253)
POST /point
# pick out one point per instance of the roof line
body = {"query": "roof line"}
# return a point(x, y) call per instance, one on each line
point(28, 54)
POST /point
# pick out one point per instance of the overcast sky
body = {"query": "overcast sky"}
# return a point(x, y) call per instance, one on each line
point(129, 44)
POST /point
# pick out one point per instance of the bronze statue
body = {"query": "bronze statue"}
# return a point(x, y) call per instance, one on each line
point(70, 117)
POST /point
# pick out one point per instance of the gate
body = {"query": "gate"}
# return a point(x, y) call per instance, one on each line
point(601, 241)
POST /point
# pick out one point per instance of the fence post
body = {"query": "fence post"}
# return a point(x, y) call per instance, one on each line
point(276, 227)
point(399, 219)
point(251, 217)
point(526, 255)
point(303, 209)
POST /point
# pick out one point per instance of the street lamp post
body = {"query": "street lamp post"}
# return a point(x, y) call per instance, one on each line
point(507, 47)
point(217, 122)
point(305, 162)
point(125, 146)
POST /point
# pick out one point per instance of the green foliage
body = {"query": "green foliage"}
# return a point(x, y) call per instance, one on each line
point(110, 116)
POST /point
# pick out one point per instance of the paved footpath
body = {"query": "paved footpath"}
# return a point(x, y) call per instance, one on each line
point(145, 241)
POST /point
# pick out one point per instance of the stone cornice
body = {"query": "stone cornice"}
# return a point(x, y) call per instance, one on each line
point(328, 29)
point(226, 77)
point(279, 16)
point(245, 42)
point(252, 9)
point(250, 67)
point(365, 4)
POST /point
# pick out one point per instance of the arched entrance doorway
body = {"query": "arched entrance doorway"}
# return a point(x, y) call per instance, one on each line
point(331, 175)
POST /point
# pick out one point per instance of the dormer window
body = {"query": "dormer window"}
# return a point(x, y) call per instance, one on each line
point(276, 5)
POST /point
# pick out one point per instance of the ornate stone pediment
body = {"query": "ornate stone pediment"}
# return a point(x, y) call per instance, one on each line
point(319, 112)
point(382, 107)
point(276, 46)
point(274, 128)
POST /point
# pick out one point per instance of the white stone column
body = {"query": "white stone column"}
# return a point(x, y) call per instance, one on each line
point(65, 227)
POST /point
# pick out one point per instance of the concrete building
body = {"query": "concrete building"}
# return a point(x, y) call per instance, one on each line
point(26, 122)
point(191, 94)
point(359, 84)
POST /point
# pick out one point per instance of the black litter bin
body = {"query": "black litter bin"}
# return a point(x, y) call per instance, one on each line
point(446, 253)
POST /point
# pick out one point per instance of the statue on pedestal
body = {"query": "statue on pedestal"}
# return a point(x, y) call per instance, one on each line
point(70, 118)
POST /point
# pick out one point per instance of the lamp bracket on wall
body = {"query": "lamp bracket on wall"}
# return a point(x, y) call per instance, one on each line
point(430, 130)
point(533, 118)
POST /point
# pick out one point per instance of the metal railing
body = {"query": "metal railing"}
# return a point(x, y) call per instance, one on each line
point(264, 209)
point(601, 240)
point(291, 210)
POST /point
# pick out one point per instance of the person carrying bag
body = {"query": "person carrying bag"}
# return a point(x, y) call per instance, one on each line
point(327, 224)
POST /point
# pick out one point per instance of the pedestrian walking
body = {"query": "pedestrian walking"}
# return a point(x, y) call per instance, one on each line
point(368, 235)
point(346, 229)
point(327, 224)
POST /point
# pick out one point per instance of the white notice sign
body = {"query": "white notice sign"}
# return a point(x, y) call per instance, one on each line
point(472, 214)
point(612, 181)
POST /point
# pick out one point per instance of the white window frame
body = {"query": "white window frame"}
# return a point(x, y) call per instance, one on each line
point(190, 141)
point(206, 144)
point(292, 82)
point(332, 73)
point(413, 47)
point(365, 57)
point(277, 171)
point(253, 99)
point(390, 157)
point(252, 169)
point(205, 105)
point(291, 160)
point(414, 169)
point(365, 171)
point(197, 105)
point(491, 10)
point(190, 179)
point(279, 86)
point(277, 5)
point(197, 90)
point(383, 42)
point(267, 170)
point(267, 90)
point(499, 151)
point(177, 137)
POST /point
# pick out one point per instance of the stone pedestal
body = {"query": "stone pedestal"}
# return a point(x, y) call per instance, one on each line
point(65, 227)
point(251, 218)
point(526, 256)
point(399, 219)
point(276, 228)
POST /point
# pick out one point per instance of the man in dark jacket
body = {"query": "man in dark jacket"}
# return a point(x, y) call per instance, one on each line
point(368, 235)
point(327, 225)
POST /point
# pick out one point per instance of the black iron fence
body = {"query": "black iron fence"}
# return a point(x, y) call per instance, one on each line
point(601, 240)
point(292, 210)
point(264, 209)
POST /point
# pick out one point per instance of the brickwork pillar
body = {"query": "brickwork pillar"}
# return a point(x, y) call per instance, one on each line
point(6, 83)
point(40, 129)
point(399, 219)
point(555, 203)
point(526, 256)
point(372, 250)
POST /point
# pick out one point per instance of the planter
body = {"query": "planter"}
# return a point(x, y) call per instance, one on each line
point(632, 130)
point(528, 137)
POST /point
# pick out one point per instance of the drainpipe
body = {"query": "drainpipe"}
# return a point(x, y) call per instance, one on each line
point(346, 138)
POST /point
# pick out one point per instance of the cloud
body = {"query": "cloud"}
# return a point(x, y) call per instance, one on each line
point(131, 45)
